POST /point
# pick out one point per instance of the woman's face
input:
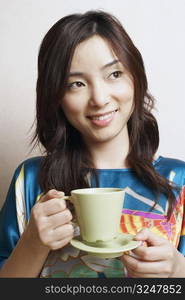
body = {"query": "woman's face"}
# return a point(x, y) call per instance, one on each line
point(99, 98)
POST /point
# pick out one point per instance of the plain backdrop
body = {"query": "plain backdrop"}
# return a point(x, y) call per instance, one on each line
point(157, 28)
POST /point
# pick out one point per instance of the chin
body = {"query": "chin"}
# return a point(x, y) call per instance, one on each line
point(103, 135)
point(104, 138)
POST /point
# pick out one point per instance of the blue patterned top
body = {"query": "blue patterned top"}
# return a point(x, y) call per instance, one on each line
point(24, 191)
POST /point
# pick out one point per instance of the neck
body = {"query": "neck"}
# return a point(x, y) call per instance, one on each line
point(111, 154)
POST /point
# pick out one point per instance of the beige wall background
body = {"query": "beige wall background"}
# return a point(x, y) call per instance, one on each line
point(156, 26)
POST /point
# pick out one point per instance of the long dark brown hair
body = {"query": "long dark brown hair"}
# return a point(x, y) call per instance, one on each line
point(67, 161)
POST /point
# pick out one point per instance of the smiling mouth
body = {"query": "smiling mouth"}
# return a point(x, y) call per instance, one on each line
point(105, 116)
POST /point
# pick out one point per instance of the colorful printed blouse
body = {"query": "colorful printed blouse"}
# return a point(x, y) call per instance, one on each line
point(24, 191)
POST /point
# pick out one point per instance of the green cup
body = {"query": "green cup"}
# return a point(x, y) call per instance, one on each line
point(98, 213)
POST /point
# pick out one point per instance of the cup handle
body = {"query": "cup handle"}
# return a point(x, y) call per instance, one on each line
point(74, 224)
point(68, 198)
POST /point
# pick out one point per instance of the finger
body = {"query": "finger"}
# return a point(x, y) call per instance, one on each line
point(60, 244)
point(134, 274)
point(142, 267)
point(149, 237)
point(59, 219)
point(51, 194)
point(62, 232)
point(53, 206)
point(152, 253)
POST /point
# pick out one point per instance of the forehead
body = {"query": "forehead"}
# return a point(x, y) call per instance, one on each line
point(94, 50)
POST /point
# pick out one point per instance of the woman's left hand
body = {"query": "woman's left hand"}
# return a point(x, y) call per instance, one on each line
point(158, 259)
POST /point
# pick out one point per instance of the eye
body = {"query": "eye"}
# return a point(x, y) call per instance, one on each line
point(75, 85)
point(115, 75)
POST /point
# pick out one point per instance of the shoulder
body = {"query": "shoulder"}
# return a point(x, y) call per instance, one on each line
point(28, 169)
point(171, 168)
point(33, 163)
point(170, 163)
point(30, 164)
point(27, 181)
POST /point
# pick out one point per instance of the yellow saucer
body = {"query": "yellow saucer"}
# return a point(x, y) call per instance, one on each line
point(114, 248)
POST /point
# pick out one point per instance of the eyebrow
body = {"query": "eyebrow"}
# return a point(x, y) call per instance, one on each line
point(115, 61)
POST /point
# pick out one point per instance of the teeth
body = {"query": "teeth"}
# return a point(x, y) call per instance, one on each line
point(104, 117)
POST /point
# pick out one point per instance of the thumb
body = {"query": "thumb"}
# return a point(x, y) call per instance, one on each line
point(149, 237)
point(50, 195)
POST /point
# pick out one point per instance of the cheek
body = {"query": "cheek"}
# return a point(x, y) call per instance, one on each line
point(125, 89)
point(125, 95)
point(71, 107)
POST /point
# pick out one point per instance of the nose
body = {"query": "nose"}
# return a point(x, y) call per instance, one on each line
point(99, 95)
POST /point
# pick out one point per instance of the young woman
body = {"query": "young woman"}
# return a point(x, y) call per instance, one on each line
point(94, 120)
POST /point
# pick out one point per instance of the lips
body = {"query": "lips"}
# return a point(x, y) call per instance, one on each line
point(103, 120)
point(103, 116)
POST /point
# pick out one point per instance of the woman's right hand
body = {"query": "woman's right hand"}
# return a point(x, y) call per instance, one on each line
point(49, 224)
